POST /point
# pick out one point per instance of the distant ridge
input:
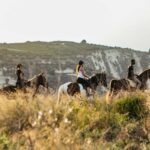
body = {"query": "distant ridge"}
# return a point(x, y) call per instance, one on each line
point(54, 58)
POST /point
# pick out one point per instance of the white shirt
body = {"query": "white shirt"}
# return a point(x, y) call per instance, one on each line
point(80, 75)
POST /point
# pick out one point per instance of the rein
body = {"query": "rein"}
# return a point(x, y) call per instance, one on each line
point(32, 78)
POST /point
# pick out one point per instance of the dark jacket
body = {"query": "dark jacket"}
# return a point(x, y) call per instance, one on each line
point(131, 72)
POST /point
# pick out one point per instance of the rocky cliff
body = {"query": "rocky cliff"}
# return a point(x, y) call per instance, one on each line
point(58, 60)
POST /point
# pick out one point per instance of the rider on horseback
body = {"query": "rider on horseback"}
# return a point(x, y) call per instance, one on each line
point(6, 82)
point(82, 77)
point(132, 76)
point(20, 76)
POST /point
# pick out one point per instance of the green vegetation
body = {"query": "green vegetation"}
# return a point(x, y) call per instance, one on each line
point(53, 48)
point(74, 124)
point(133, 106)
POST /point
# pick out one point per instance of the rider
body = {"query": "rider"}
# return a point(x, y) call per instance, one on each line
point(133, 76)
point(20, 76)
point(82, 78)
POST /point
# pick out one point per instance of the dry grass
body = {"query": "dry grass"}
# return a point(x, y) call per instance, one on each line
point(41, 124)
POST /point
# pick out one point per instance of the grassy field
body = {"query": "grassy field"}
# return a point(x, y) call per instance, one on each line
point(53, 48)
point(74, 124)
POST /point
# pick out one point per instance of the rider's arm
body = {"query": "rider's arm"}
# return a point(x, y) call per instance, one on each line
point(21, 75)
point(83, 72)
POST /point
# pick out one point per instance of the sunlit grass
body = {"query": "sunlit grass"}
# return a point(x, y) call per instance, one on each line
point(75, 123)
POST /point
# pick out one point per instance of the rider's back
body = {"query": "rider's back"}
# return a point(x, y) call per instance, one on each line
point(130, 72)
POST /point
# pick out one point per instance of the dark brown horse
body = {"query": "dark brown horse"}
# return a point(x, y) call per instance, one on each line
point(35, 83)
point(8, 89)
point(124, 84)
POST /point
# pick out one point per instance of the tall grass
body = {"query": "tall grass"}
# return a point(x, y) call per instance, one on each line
point(75, 123)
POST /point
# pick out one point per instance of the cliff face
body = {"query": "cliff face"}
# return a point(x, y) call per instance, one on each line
point(116, 62)
point(58, 60)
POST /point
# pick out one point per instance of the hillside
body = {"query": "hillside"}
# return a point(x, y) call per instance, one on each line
point(52, 48)
point(58, 60)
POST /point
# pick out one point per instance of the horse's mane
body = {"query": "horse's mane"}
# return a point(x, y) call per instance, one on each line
point(144, 72)
point(94, 75)
point(34, 77)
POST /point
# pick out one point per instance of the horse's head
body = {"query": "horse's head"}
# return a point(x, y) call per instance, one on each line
point(102, 78)
point(144, 76)
point(99, 79)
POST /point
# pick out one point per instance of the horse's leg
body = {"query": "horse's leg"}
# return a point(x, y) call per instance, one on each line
point(83, 93)
point(36, 90)
point(109, 97)
point(112, 91)
point(62, 92)
point(47, 87)
point(143, 86)
point(59, 95)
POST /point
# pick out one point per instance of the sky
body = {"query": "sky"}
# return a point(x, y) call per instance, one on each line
point(124, 23)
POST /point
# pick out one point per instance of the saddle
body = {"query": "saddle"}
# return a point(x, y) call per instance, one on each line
point(132, 83)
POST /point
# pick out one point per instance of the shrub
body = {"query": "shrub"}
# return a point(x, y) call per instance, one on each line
point(74, 124)
point(4, 141)
point(133, 106)
point(16, 115)
point(83, 42)
point(136, 132)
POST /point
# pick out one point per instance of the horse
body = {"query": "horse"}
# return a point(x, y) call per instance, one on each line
point(8, 89)
point(36, 82)
point(125, 84)
point(72, 89)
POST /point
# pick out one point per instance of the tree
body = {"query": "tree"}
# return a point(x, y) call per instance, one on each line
point(83, 42)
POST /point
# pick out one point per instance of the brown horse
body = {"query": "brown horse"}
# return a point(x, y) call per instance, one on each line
point(124, 84)
point(35, 83)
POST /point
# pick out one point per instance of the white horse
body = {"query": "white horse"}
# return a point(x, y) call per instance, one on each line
point(63, 90)
point(94, 81)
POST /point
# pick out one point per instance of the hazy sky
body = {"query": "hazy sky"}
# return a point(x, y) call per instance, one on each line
point(124, 23)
